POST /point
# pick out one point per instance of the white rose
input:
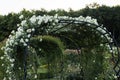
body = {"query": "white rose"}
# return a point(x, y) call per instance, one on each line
point(29, 30)
point(12, 65)
point(1, 57)
point(29, 35)
point(21, 40)
point(4, 78)
point(26, 40)
point(23, 23)
point(12, 60)
point(35, 76)
point(21, 16)
point(33, 19)
point(33, 29)
point(25, 44)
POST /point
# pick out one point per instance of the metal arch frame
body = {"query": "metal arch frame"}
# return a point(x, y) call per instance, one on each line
point(114, 42)
point(68, 22)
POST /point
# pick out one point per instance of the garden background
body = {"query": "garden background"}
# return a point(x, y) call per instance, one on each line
point(95, 63)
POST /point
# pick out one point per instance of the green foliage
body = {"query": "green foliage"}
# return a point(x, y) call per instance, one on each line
point(7, 24)
point(50, 51)
point(89, 64)
point(2, 72)
point(52, 45)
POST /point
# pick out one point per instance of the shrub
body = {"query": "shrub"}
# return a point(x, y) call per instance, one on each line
point(50, 52)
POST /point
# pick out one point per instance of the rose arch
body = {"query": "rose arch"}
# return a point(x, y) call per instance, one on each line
point(19, 41)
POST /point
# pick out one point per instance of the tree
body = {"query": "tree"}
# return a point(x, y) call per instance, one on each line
point(108, 16)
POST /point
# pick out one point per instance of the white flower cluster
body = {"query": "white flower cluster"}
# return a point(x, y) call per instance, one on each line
point(106, 34)
point(27, 27)
point(80, 19)
point(21, 17)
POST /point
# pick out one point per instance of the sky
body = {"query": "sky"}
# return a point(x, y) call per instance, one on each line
point(7, 6)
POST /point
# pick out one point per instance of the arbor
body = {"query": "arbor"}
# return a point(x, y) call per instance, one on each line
point(108, 16)
point(72, 31)
point(31, 31)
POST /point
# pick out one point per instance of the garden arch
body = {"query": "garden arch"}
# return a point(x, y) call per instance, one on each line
point(47, 25)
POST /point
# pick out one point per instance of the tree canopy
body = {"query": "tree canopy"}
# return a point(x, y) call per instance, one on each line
point(108, 16)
